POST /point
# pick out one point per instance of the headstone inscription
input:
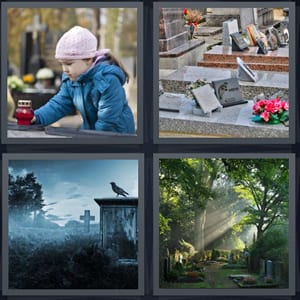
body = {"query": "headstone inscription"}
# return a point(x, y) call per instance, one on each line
point(229, 27)
point(228, 92)
point(207, 99)
point(244, 73)
point(238, 42)
point(86, 219)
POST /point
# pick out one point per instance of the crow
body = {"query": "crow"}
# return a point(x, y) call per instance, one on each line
point(118, 190)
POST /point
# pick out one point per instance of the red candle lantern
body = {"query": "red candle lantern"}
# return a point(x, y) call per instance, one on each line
point(24, 112)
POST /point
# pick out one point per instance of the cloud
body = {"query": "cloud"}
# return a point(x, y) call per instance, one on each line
point(54, 218)
point(75, 196)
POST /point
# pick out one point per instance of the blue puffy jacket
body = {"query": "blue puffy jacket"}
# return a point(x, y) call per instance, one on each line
point(98, 95)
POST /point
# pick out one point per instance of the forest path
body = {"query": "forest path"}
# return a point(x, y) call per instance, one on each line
point(218, 278)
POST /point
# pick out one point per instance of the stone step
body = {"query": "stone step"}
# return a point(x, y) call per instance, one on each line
point(223, 57)
point(253, 66)
point(220, 52)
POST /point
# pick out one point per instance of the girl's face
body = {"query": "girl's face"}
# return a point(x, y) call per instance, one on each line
point(74, 68)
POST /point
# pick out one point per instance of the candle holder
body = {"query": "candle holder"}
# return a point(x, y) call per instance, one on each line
point(24, 112)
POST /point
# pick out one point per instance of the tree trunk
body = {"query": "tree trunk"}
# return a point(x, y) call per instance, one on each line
point(200, 219)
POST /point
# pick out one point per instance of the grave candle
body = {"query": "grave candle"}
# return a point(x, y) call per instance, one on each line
point(24, 112)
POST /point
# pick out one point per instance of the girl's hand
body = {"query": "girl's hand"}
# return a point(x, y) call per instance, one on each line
point(33, 120)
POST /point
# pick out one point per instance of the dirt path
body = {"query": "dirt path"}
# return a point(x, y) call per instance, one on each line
point(217, 278)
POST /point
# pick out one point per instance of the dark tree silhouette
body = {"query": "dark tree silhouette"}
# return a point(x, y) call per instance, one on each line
point(25, 198)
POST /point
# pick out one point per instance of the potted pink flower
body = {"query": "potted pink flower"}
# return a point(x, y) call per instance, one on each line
point(272, 111)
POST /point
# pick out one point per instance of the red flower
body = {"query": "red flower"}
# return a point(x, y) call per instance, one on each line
point(185, 11)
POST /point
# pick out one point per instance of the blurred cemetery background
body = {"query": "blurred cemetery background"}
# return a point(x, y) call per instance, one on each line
point(215, 63)
point(32, 34)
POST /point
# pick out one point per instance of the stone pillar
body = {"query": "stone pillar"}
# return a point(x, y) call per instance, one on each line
point(248, 16)
point(119, 226)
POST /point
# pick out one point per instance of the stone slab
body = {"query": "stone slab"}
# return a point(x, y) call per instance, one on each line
point(230, 122)
point(206, 98)
point(208, 30)
point(185, 55)
point(268, 83)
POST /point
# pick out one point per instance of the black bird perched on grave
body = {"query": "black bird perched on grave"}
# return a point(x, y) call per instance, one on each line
point(118, 190)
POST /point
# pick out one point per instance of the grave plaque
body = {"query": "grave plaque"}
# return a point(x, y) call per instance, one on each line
point(261, 47)
point(228, 92)
point(238, 42)
point(244, 73)
point(206, 99)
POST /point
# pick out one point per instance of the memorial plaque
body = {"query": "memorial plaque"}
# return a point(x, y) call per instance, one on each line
point(261, 47)
point(244, 73)
point(228, 92)
point(238, 42)
point(206, 98)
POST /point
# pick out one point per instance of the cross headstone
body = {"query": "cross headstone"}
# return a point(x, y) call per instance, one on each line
point(87, 218)
point(31, 59)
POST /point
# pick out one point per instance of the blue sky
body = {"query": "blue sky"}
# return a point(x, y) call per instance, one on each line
point(70, 186)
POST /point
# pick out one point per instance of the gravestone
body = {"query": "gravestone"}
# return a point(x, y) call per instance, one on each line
point(262, 267)
point(228, 92)
point(86, 219)
point(175, 48)
point(206, 99)
point(278, 266)
point(171, 30)
point(229, 27)
point(244, 73)
point(31, 60)
point(238, 42)
point(118, 226)
point(261, 47)
point(248, 16)
point(269, 271)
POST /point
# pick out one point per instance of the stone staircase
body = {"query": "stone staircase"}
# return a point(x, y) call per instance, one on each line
point(223, 57)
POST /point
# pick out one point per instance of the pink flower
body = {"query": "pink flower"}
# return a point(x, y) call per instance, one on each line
point(265, 116)
point(285, 105)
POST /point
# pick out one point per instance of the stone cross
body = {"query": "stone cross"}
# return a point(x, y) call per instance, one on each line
point(87, 218)
point(36, 27)
point(34, 53)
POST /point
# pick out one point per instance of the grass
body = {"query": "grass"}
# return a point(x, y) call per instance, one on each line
point(215, 277)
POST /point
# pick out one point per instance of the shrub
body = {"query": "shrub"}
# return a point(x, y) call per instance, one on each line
point(173, 275)
point(249, 280)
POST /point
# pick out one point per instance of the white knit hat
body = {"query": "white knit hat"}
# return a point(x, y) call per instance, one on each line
point(77, 43)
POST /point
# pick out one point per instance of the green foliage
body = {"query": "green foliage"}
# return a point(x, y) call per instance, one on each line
point(173, 275)
point(76, 263)
point(264, 183)
point(274, 244)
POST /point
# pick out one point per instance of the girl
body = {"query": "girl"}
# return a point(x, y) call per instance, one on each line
point(92, 83)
